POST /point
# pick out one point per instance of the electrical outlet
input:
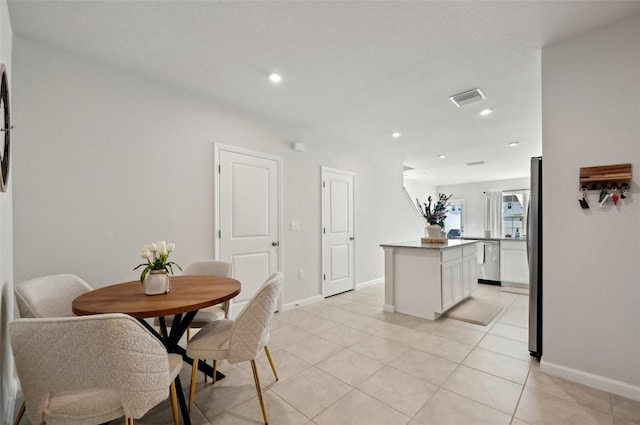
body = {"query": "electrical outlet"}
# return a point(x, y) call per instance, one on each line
point(300, 274)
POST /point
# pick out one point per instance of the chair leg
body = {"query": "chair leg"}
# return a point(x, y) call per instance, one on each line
point(205, 373)
point(215, 370)
point(20, 414)
point(256, 378)
point(273, 366)
point(192, 389)
point(174, 403)
point(188, 335)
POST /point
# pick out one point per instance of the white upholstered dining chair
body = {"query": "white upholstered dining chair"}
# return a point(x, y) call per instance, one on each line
point(47, 296)
point(241, 339)
point(209, 314)
point(90, 370)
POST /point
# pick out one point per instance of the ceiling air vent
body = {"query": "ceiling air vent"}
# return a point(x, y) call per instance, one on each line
point(467, 97)
point(471, 164)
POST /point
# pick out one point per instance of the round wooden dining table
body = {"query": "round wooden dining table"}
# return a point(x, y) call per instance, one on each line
point(187, 295)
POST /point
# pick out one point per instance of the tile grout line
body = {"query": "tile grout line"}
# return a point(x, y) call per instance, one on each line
point(289, 404)
point(513, 416)
point(469, 398)
point(330, 405)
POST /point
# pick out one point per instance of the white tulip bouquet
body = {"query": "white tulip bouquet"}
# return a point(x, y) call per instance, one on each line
point(157, 256)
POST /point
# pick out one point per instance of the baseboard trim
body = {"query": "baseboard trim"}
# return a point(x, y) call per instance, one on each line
point(300, 303)
point(369, 283)
point(318, 298)
point(389, 308)
point(592, 380)
point(516, 285)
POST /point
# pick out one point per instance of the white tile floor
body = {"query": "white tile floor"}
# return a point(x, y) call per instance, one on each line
point(345, 361)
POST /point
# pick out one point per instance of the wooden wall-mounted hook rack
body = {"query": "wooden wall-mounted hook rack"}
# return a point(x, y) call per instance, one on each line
point(594, 177)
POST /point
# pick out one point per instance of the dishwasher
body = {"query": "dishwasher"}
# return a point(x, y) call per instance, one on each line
point(489, 262)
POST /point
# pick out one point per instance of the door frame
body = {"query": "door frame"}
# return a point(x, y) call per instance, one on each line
point(460, 201)
point(324, 169)
point(219, 147)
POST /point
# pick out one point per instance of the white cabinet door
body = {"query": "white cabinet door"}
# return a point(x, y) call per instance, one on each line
point(514, 267)
point(456, 283)
point(447, 279)
point(468, 275)
point(469, 269)
point(473, 274)
point(451, 283)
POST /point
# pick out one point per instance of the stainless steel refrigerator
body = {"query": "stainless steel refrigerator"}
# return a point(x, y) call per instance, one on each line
point(534, 254)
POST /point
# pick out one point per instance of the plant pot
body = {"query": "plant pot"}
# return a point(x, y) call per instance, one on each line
point(157, 282)
point(432, 231)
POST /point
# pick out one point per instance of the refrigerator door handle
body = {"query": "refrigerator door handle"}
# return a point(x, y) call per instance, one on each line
point(528, 245)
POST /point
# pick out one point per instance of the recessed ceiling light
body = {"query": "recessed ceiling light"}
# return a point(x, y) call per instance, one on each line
point(396, 134)
point(513, 144)
point(485, 112)
point(275, 78)
point(442, 156)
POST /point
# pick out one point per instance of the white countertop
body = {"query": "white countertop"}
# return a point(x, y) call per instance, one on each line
point(482, 238)
point(450, 243)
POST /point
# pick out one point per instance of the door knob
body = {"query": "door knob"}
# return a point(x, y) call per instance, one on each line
point(352, 238)
point(275, 243)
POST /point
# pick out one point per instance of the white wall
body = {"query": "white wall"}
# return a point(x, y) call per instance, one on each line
point(7, 370)
point(591, 267)
point(108, 161)
point(417, 188)
point(473, 195)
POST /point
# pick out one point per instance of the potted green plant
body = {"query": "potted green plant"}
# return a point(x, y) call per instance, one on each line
point(155, 275)
point(435, 214)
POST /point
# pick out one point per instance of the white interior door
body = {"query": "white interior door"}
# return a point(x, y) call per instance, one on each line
point(338, 233)
point(248, 207)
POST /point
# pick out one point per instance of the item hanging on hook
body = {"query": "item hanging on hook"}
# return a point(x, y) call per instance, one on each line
point(624, 188)
point(614, 196)
point(603, 193)
point(583, 201)
point(604, 196)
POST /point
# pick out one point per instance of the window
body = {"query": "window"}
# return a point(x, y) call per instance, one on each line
point(454, 224)
point(514, 213)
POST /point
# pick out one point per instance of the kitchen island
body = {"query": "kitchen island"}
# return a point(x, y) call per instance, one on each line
point(425, 280)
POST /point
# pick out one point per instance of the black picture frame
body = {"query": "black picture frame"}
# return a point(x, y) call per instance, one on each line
point(5, 115)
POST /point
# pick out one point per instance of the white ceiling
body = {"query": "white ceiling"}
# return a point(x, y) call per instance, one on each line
point(353, 71)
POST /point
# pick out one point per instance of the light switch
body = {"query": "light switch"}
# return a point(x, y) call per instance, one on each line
point(295, 226)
